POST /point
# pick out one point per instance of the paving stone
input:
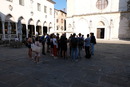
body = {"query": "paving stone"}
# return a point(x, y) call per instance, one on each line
point(115, 80)
point(82, 84)
point(109, 67)
point(4, 85)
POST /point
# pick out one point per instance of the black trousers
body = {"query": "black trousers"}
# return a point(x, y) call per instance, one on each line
point(87, 51)
point(43, 48)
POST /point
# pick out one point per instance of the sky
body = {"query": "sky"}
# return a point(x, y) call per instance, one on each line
point(60, 4)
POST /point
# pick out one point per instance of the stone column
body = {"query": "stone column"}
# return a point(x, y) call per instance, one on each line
point(42, 30)
point(3, 30)
point(35, 27)
point(16, 29)
point(27, 31)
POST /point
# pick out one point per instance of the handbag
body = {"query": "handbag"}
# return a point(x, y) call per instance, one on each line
point(36, 48)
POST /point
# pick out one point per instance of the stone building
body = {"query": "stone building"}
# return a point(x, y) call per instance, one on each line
point(107, 19)
point(60, 21)
point(22, 17)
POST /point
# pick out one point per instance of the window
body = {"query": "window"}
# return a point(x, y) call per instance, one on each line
point(61, 27)
point(57, 20)
point(56, 12)
point(50, 11)
point(61, 13)
point(45, 9)
point(10, 0)
point(57, 27)
point(61, 20)
point(38, 7)
point(102, 4)
point(31, 1)
point(21, 2)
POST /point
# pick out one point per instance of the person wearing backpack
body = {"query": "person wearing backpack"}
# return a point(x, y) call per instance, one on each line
point(74, 47)
point(80, 45)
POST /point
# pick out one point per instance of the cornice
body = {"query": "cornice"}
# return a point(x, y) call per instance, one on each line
point(98, 14)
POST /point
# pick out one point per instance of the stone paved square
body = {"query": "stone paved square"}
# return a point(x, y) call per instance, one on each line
point(109, 67)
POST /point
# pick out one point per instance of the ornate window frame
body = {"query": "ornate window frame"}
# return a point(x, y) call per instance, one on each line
point(101, 4)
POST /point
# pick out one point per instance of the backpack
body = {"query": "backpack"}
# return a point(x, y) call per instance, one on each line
point(74, 42)
point(80, 41)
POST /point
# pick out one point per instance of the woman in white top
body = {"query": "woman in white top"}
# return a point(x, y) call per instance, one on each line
point(55, 46)
point(38, 49)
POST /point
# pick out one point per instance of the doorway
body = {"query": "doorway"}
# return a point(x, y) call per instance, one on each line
point(100, 33)
point(31, 30)
point(44, 29)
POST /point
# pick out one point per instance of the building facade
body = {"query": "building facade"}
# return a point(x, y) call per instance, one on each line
point(60, 21)
point(107, 19)
point(23, 17)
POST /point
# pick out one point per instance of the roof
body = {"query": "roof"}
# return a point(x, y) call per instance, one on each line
point(52, 1)
point(61, 11)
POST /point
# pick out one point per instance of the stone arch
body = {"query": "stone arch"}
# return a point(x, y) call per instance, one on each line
point(82, 27)
point(38, 28)
point(44, 27)
point(10, 18)
point(31, 28)
point(103, 20)
point(23, 28)
point(10, 21)
point(31, 21)
point(38, 23)
point(101, 29)
point(50, 28)
point(45, 23)
point(101, 23)
point(22, 20)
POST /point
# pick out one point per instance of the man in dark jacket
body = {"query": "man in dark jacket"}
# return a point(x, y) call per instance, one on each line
point(93, 42)
point(43, 40)
point(74, 47)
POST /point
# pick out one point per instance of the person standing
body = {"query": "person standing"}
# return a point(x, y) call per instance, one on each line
point(38, 49)
point(74, 47)
point(29, 42)
point(48, 43)
point(43, 39)
point(55, 46)
point(58, 42)
point(93, 42)
point(87, 47)
point(80, 45)
point(70, 44)
point(63, 43)
point(51, 44)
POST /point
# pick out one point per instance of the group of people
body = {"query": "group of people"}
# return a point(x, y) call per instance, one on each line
point(77, 43)
point(58, 46)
